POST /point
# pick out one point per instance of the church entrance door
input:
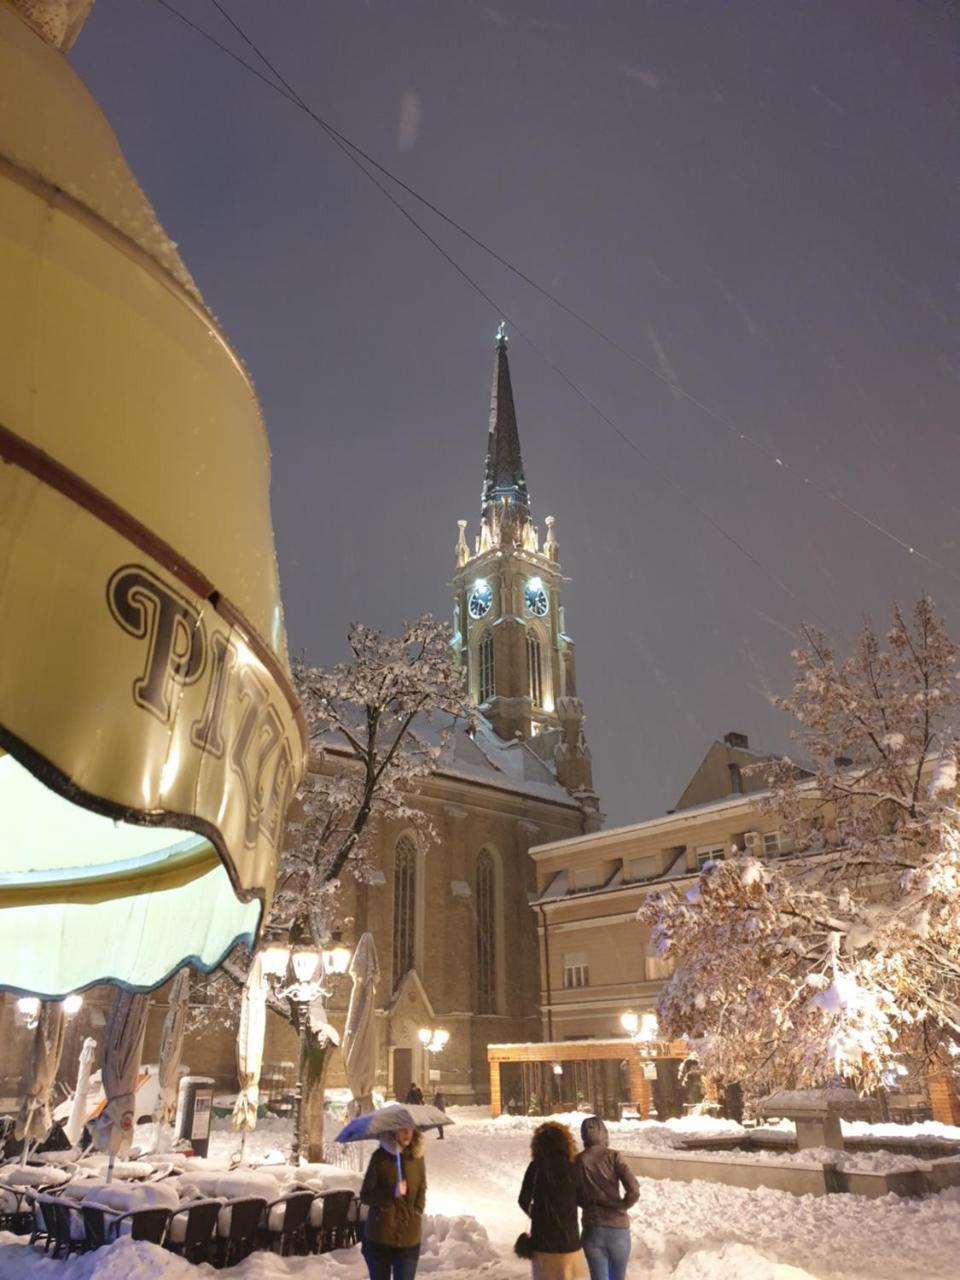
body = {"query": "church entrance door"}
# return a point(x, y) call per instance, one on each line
point(402, 1073)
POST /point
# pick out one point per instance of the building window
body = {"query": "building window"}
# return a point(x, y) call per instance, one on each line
point(585, 878)
point(534, 670)
point(486, 671)
point(710, 853)
point(575, 971)
point(486, 933)
point(643, 868)
point(404, 906)
point(655, 965)
point(771, 842)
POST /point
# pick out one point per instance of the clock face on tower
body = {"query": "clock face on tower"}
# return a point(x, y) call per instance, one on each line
point(481, 597)
point(535, 597)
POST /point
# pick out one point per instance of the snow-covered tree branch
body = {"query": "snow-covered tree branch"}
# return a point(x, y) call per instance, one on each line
point(378, 724)
point(845, 955)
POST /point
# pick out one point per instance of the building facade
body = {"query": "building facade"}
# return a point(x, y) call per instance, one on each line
point(596, 961)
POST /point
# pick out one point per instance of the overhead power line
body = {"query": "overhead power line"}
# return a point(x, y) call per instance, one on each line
point(361, 159)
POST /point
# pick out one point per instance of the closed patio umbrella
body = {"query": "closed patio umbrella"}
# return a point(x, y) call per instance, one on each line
point(250, 1037)
point(359, 1045)
point(122, 1050)
point(171, 1047)
point(73, 1129)
point(150, 736)
point(34, 1119)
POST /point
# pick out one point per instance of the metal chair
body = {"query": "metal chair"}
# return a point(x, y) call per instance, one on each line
point(336, 1230)
point(62, 1227)
point(286, 1222)
point(145, 1224)
point(103, 1225)
point(97, 1219)
point(238, 1223)
point(193, 1230)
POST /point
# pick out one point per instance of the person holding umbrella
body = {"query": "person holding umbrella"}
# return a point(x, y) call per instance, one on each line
point(395, 1189)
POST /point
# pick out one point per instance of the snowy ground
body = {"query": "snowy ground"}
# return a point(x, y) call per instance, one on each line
point(688, 1231)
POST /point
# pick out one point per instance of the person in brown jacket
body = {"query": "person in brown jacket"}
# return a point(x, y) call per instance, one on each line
point(395, 1188)
point(606, 1227)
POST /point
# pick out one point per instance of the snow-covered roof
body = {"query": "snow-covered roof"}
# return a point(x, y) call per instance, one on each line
point(480, 756)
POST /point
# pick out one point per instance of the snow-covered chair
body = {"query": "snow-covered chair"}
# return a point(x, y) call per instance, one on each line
point(333, 1221)
point(287, 1222)
point(193, 1230)
point(238, 1224)
point(59, 1225)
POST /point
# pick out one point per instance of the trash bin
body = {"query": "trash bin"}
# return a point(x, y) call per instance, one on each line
point(194, 1108)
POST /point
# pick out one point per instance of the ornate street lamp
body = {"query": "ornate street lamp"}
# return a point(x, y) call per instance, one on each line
point(433, 1039)
point(311, 965)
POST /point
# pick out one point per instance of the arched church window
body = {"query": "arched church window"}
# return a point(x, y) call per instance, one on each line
point(534, 670)
point(404, 906)
point(485, 687)
point(486, 933)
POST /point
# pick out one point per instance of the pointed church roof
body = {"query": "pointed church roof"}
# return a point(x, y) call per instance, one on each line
point(504, 470)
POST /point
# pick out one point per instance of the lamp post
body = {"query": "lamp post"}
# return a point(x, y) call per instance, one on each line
point(643, 1030)
point(311, 966)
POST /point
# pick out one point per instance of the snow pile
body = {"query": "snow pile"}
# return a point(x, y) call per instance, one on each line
point(735, 1262)
point(455, 1244)
point(451, 1246)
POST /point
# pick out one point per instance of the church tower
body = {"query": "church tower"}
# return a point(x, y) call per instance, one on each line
point(509, 625)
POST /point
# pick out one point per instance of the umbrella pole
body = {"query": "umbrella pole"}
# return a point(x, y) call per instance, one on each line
point(110, 1167)
point(25, 1152)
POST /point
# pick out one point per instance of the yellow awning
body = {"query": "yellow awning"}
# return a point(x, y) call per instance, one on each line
point(144, 686)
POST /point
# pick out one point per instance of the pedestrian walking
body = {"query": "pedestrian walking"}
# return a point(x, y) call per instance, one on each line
point(549, 1196)
point(395, 1188)
point(414, 1095)
point(440, 1102)
point(607, 1190)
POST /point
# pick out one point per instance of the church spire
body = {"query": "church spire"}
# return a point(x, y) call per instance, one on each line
point(503, 484)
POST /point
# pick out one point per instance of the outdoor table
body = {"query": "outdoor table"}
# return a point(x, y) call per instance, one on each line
point(123, 1197)
point(27, 1175)
point(127, 1170)
point(229, 1185)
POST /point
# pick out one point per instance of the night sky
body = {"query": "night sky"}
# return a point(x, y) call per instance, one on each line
point(756, 199)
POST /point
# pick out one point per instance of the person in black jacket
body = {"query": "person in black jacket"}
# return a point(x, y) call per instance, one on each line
point(549, 1196)
point(414, 1095)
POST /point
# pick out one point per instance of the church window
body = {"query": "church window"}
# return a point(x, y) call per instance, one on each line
point(534, 670)
point(486, 671)
point(404, 906)
point(575, 970)
point(486, 933)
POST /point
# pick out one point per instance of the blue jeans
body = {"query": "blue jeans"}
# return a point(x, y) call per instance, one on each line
point(607, 1250)
point(384, 1261)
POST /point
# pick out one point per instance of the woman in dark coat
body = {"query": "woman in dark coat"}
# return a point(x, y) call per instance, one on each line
point(549, 1196)
point(395, 1188)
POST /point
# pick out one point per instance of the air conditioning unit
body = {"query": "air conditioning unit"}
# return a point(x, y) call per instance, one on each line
point(753, 842)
